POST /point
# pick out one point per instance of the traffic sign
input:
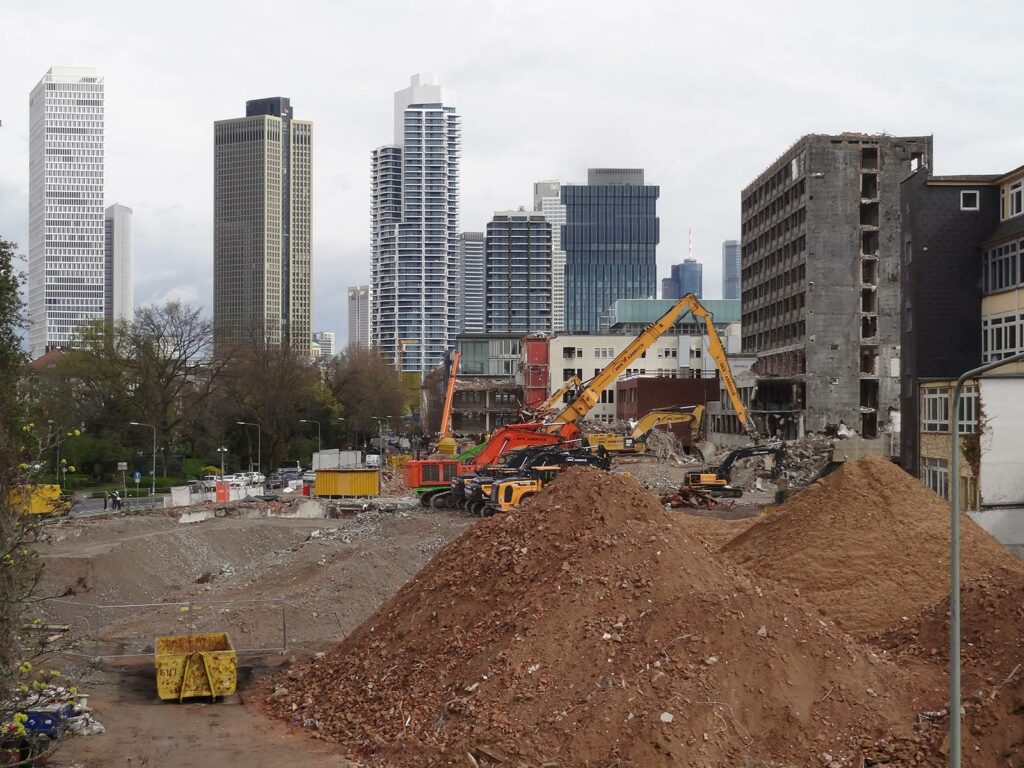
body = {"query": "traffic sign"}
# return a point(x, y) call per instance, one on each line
point(138, 476)
point(122, 466)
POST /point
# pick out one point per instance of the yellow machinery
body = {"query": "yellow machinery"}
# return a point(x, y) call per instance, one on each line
point(636, 440)
point(716, 481)
point(506, 494)
point(195, 665)
point(590, 394)
point(43, 499)
point(573, 382)
point(447, 445)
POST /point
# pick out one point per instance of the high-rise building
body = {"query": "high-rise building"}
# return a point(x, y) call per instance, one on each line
point(547, 198)
point(415, 228)
point(610, 239)
point(118, 290)
point(359, 315)
point(731, 269)
point(686, 277)
point(471, 291)
point(518, 273)
point(65, 231)
point(821, 291)
point(262, 227)
point(325, 340)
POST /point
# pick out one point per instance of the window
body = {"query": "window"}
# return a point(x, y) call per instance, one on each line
point(968, 411)
point(936, 476)
point(1016, 198)
point(568, 353)
point(969, 200)
point(935, 409)
point(1000, 336)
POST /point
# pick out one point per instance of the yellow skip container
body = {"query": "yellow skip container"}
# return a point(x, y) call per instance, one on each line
point(195, 665)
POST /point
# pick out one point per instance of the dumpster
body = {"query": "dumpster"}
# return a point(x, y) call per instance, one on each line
point(38, 499)
point(341, 483)
point(195, 665)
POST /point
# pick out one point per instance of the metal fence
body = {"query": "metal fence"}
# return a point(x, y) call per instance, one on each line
point(100, 631)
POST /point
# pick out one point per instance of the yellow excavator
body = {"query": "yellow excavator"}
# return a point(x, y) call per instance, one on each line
point(636, 440)
point(573, 382)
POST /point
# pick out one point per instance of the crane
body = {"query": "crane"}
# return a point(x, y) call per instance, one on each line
point(590, 394)
point(447, 444)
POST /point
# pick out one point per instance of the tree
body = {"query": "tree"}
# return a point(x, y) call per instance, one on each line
point(365, 385)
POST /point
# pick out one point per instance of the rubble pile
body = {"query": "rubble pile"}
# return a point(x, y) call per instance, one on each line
point(664, 445)
point(591, 627)
point(869, 544)
point(692, 498)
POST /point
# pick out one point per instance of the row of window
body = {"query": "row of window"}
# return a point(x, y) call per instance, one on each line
point(935, 409)
point(1002, 267)
point(1001, 336)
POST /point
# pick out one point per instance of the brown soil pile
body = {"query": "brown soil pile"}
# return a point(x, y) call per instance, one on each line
point(591, 628)
point(869, 545)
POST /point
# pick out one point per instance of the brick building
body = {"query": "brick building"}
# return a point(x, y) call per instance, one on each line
point(637, 395)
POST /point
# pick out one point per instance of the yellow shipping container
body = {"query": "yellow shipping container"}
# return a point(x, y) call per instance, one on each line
point(347, 482)
point(38, 499)
point(196, 665)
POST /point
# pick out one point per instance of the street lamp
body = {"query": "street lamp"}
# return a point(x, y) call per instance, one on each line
point(259, 443)
point(152, 482)
point(383, 451)
point(222, 451)
point(313, 421)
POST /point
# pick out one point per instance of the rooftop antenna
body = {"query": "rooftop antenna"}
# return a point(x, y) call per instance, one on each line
point(691, 243)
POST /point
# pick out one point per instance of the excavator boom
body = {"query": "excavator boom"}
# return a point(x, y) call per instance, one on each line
point(572, 382)
point(446, 415)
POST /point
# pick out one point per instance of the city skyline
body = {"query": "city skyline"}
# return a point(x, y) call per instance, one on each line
point(506, 149)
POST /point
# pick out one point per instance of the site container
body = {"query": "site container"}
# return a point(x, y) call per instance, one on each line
point(195, 665)
point(38, 499)
point(335, 458)
point(340, 483)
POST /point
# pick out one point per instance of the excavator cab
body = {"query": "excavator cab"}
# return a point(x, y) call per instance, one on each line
point(506, 494)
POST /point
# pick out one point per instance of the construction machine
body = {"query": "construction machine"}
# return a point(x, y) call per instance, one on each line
point(511, 492)
point(447, 445)
point(472, 492)
point(716, 480)
point(636, 440)
point(572, 383)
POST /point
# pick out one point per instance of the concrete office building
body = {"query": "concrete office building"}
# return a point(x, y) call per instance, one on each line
point(518, 273)
point(731, 269)
point(686, 277)
point(359, 315)
point(262, 227)
point(415, 229)
point(820, 274)
point(610, 239)
point(325, 341)
point(547, 198)
point(471, 291)
point(118, 290)
point(66, 223)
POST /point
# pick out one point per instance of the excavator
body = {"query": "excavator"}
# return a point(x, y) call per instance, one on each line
point(563, 427)
point(717, 480)
point(636, 440)
point(447, 445)
point(573, 382)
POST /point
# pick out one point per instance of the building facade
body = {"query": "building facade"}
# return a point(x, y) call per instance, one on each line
point(731, 269)
point(359, 315)
point(518, 273)
point(547, 198)
point(262, 227)
point(820, 278)
point(686, 277)
point(945, 221)
point(471, 291)
point(325, 343)
point(610, 239)
point(415, 229)
point(66, 217)
point(118, 289)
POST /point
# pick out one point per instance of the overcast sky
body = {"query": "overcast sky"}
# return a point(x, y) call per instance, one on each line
point(703, 96)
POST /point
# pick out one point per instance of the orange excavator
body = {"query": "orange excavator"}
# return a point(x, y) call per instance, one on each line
point(447, 444)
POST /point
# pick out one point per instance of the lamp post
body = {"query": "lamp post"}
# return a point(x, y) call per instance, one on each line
point(383, 452)
point(954, 556)
point(259, 443)
point(152, 480)
point(313, 421)
point(222, 450)
point(57, 446)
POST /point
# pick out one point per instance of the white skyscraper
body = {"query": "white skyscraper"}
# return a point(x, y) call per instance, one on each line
point(359, 315)
point(65, 234)
point(325, 340)
point(547, 198)
point(415, 228)
point(118, 290)
point(471, 290)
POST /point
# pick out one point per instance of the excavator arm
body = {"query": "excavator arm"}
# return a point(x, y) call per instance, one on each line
point(446, 414)
point(573, 382)
point(662, 416)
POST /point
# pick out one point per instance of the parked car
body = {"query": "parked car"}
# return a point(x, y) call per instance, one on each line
point(210, 482)
point(235, 481)
point(309, 476)
point(274, 480)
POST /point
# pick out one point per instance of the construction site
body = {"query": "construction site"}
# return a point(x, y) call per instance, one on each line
point(560, 594)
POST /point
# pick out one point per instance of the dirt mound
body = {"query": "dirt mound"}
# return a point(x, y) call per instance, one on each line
point(869, 545)
point(590, 627)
